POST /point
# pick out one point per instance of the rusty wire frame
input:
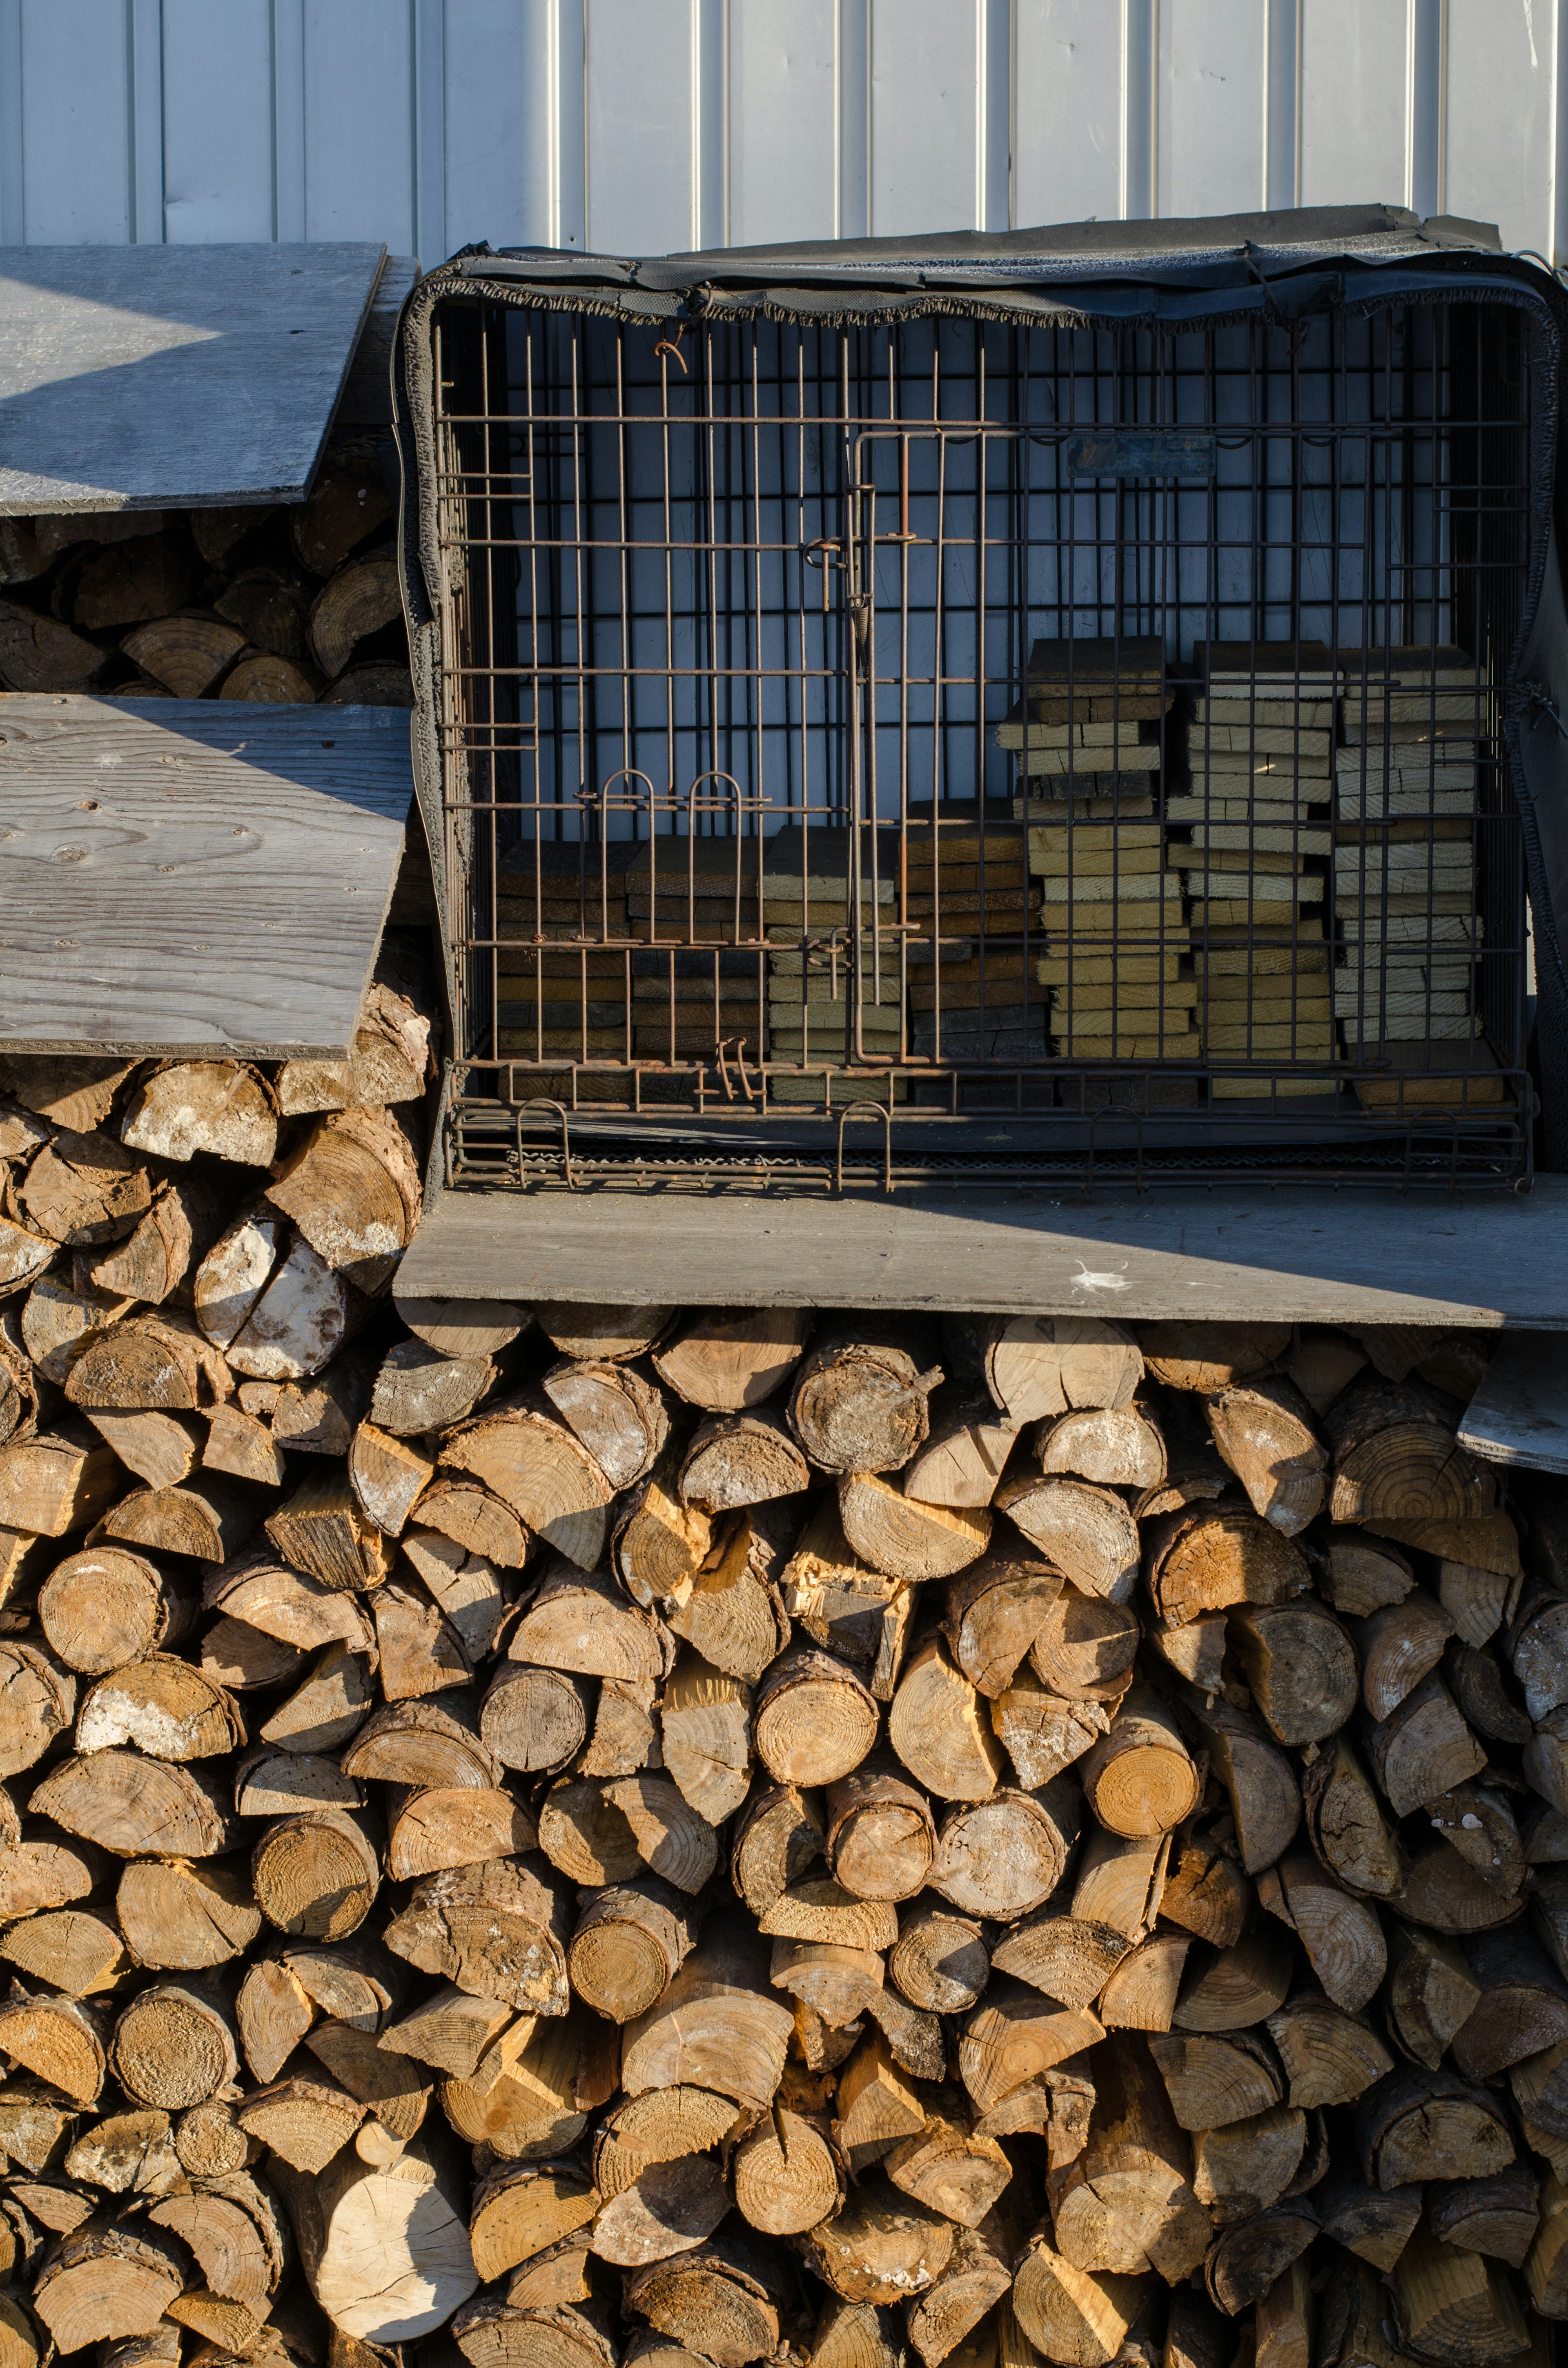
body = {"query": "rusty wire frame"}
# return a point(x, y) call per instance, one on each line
point(732, 619)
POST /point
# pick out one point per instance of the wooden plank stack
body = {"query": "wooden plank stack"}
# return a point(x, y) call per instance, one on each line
point(594, 1834)
point(812, 907)
point(1260, 743)
point(975, 906)
point(1404, 855)
point(300, 602)
point(1115, 937)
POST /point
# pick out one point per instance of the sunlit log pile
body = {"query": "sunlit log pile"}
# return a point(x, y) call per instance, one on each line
point(639, 1837)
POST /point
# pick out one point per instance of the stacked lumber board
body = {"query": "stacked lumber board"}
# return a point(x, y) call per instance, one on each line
point(975, 909)
point(827, 899)
point(627, 1835)
point(1113, 934)
point(1410, 931)
point(297, 602)
point(1256, 813)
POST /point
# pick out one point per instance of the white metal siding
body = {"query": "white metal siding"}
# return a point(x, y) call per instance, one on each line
point(636, 125)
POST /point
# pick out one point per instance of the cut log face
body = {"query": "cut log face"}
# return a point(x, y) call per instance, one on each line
point(586, 1625)
point(1347, 1827)
point(1085, 1532)
point(1423, 1748)
point(1360, 1576)
point(814, 1720)
point(882, 1840)
point(966, 1454)
point(1264, 1797)
point(619, 1418)
point(544, 1473)
point(727, 1359)
point(940, 1729)
point(860, 1399)
point(1264, 1432)
point(1213, 2081)
point(905, 1540)
point(1301, 1667)
point(1396, 1458)
point(1079, 2319)
point(994, 1611)
point(107, 1606)
point(1341, 1934)
point(1418, 2125)
point(1399, 1645)
point(1139, 1778)
point(1206, 1559)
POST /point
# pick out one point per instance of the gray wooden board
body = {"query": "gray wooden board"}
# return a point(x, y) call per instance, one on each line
point(194, 876)
point(172, 377)
point(1519, 1415)
point(1282, 1255)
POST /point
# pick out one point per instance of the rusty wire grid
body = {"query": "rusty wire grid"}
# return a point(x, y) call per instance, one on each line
point(956, 749)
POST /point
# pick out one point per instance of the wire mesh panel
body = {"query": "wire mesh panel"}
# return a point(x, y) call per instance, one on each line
point(1049, 743)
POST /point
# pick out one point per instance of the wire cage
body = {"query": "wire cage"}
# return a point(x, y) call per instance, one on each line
point(1062, 747)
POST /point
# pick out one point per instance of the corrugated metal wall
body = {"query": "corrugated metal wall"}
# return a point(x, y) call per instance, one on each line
point(633, 126)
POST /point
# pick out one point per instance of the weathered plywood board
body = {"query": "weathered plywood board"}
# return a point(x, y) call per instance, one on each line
point(1285, 1256)
point(172, 377)
point(191, 876)
point(1519, 1415)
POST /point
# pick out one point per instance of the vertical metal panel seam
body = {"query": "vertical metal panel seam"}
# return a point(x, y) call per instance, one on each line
point(427, 128)
point(291, 209)
point(144, 125)
point(568, 132)
point(711, 123)
point(1442, 123)
point(12, 118)
point(852, 75)
point(1560, 139)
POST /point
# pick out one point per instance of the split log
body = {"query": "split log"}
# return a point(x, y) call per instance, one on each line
point(1266, 1799)
point(1340, 1933)
point(938, 1728)
point(787, 2179)
point(905, 1540)
point(1084, 1531)
point(730, 1610)
point(1499, 2217)
point(1213, 2080)
point(1347, 1826)
point(1396, 1458)
point(994, 1611)
point(882, 2247)
point(965, 1456)
point(1301, 1667)
point(1361, 1576)
point(1042, 1733)
point(585, 1625)
point(1202, 1560)
point(1330, 2057)
point(543, 1473)
point(1399, 1645)
point(1247, 2260)
point(1039, 1365)
point(1126, 2205)
point(1249, 2165)
point(386, 2249)
point(102, 2284)
point(1375, 2227)
point(631, 1941)
point(1117, 1447)
point(739, 1459)
point(1078, 2319)
point(1452, 2308)
point(1014, 2036)
point(940, 1962)
point(727, 1359)
point(1085, 1646)
point(1205, 1890)
point(1522, 2008)
point(881, 1841)
point(1423, 1748)
point(1417, 2125)
point(1264, 1432)
point(495, 1929)
point(1240, 1986)
point(1211, 1357)
point(715, 2027)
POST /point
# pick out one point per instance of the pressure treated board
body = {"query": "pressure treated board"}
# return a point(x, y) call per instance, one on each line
point(192, 876)
point(1289, 1255)
point(1519, 1415)
point(171, 377)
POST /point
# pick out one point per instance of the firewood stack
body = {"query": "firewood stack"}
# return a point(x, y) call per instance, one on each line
point(300, 602)
point(611, 1834)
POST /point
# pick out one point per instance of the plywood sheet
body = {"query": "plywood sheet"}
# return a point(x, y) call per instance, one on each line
point(1519, 1415)
point(172, 377)
point(192, 876)
point(1286, 1256)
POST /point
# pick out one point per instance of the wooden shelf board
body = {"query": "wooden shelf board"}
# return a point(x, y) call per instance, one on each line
point(1519, 1415)
point(173, 377)
point(188, 876)
point(1282, 1255)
